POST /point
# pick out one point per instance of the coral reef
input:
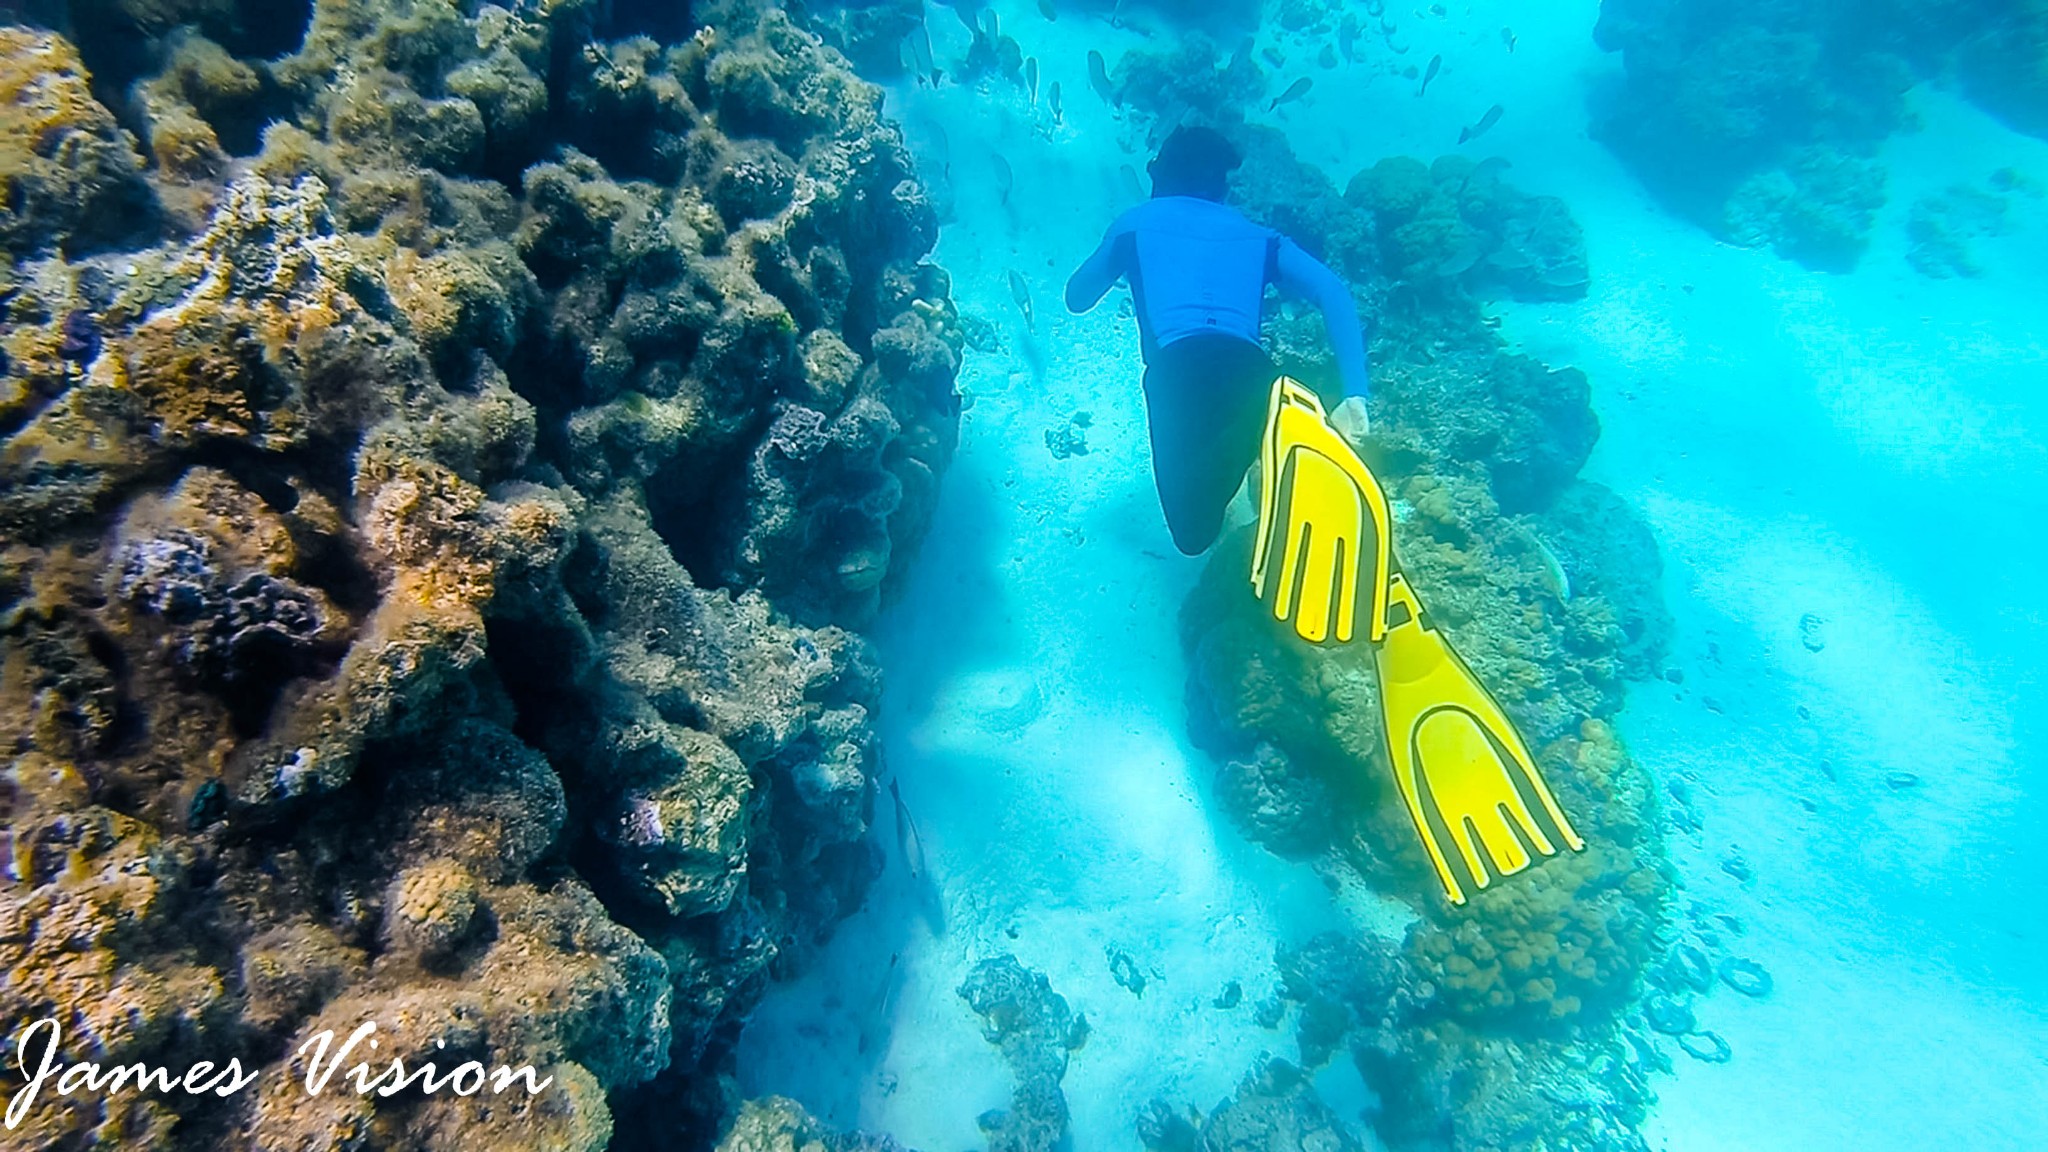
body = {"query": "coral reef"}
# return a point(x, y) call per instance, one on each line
point(447, 461)
point(1763, 121)
point(1035, 1030)
point(1460, 220)
point(1274, 1107)
point(1942, 228)
point(71, 176)
point(1759, 120)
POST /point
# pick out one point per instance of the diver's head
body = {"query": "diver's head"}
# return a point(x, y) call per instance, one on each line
point(1194, 162)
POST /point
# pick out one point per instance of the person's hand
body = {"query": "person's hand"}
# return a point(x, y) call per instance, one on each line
point(1350, 420)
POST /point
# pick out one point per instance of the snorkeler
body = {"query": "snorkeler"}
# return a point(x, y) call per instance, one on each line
point(1323, 558)
point(1198, 272)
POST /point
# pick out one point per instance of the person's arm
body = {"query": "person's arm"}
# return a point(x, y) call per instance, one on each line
point(1304, 275)
point(1097, 274)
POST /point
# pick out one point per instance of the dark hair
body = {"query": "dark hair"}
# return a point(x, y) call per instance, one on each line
point(1194, 162)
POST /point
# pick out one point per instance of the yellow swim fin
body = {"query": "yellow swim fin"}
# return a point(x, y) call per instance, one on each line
point(1323, 551)
point(1471, 787)
point(1324, 554)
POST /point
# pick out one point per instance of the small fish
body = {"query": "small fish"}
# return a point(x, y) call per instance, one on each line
point(1021, 293)
point(1487, 121)
point(1468, 254)
point(1031, 78)
point(1327, 58)
point(1047, 10)
point(1487, 169)
point(1347, 36)
point(1295, 91)
point(1133, 188)
point(1553, 570)
point(1098, 78)
point(907, 841)
point(1436, 64)
point(991, 25)
point(1052, 100)
point(1508, 37)
point(1005, 178)
point(885, 999)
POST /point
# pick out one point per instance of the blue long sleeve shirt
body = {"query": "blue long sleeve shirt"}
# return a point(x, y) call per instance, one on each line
point(1198, 266)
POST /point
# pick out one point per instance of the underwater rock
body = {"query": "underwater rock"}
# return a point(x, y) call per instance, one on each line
point(1669, 1016)
point(778, 1124)
point(1286, 811)
point(1457, 221)
point(73, 177)
point(1763, 122)
point(1745, 976)
point(1942, 228)
point(1706, 1047)
point(1341, 984)
point(1035, 1031)
point(1277, 1107)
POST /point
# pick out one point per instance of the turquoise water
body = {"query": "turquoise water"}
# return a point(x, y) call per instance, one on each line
point(1864, 450)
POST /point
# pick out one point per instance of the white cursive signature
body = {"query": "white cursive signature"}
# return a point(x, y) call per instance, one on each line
point(39, 1043)
point(197, 1080)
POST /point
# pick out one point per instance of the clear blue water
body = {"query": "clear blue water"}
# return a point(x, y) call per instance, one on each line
point(1865, 447)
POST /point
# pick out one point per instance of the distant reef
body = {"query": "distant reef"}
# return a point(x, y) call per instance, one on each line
point(1762, 120)
point(448, 454)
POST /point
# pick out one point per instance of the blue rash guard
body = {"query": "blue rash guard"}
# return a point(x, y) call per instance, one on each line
point(1198, 267)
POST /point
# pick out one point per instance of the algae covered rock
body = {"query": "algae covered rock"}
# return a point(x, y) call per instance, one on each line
point(435, 543)
point(70, 174)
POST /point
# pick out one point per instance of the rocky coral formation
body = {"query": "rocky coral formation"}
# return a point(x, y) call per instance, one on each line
point(1035, 1030)
point(1943, 229)
point(447, 463)
point(1275, 1107)
point(776, 1124)
point(1460, 220)
point(1760, 120)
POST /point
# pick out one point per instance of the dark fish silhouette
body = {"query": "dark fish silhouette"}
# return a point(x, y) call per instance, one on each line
point(1295, 91)
point(1052, 100)
point(1031, 77)
point(1098, 78)
point(907, 841)
point(885, 999)
point(1487, 121)
point(1005, 179)
point(1508, 37)
point(1327, 58)
point(1046, 9)
point(1021, 293)
point(1436, 64)
point(1487, 169)
point(1347, 36)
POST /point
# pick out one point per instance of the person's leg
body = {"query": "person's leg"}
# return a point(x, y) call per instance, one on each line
point(1206, 402)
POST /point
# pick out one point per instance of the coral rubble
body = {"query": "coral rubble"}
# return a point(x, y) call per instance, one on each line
point(448, 459)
